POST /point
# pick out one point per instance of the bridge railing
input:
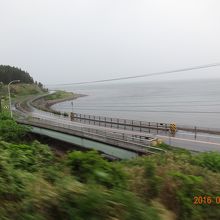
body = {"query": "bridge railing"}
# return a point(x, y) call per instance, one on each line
point(140, 143)
point(120, 135)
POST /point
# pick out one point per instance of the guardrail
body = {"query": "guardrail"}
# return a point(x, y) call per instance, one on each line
point(141, 126)
point(126, 124)
point(134, 143)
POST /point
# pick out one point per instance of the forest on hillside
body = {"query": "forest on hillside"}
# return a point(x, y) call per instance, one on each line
point(8, 73)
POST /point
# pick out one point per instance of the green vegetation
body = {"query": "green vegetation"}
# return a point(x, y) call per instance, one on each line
point(210, 161)
point(20, 89)
point(36, 184)
point(174, 179)
point(10, 130)
point(90, 167)
point(20, 92)
point(58, 95)
point(8, 73)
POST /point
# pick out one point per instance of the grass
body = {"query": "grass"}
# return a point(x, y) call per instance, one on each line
point(58, 95)
point(18, 90)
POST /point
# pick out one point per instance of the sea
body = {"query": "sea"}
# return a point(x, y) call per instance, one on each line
point(188, 102)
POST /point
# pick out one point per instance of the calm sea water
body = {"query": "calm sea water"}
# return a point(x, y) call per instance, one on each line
point(194, 103)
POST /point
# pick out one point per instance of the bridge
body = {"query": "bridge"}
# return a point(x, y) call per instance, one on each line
point(113, 142)
point(111, 135)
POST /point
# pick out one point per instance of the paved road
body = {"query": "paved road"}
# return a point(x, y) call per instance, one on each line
point(182, 139)
point(189, 144)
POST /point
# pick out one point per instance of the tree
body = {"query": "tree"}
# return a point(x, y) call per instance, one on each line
point(8, 73)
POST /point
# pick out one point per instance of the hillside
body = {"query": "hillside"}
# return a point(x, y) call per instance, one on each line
point(26, 86)
point(37, 184)
point(8, 73)
point(21, 89)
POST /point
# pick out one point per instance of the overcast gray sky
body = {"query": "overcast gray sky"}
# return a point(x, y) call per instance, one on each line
point(64, 41)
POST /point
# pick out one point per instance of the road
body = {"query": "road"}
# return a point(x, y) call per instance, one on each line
point(182, 139)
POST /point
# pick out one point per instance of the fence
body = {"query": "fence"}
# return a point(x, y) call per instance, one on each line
point(125, 124)
point(141, 126)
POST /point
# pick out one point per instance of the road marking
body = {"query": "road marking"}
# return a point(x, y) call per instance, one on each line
point(199, 135)
point(195, 141)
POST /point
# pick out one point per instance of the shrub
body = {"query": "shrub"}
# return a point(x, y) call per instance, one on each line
point(153, 181)
point(11, 131)
point(91, 167)
point(178, 192)
point(209, 160)
point(28, 157)
point(4, 116)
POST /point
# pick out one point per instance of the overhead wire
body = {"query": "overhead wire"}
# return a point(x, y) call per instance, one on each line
point(141, 75)
point(145, 75)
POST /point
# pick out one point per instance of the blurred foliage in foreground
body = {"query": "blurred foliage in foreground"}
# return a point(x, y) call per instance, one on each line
point(37, 185)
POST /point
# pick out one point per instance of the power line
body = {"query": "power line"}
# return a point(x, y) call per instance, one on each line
point(142, 75)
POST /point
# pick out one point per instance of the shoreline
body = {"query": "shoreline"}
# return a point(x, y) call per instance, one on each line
point(74, 96)
point(43, 104)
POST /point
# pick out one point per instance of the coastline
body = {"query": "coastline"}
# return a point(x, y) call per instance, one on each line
point(74, 96)
point(44, 103)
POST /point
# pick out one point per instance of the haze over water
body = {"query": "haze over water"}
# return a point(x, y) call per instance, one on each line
point(194, 103)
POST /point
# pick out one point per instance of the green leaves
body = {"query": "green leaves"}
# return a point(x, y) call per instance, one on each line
point(11, 131)
point(34, 184)
point(8, 73)
point(27, 157)
point(209, 160)
point(91, 167)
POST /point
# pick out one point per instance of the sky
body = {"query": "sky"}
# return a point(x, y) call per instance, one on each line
point(68, 41)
